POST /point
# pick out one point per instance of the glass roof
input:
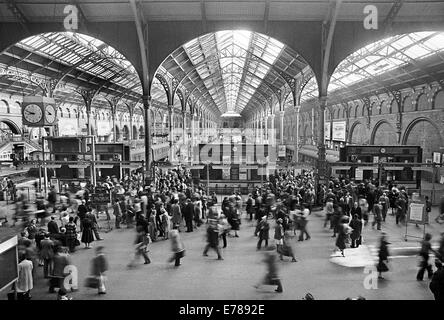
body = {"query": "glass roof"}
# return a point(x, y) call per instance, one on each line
point(233, 69)
point(386, 55)
point(380, 58)
point(87, 54)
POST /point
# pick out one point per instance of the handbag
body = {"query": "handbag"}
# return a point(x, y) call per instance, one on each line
point(92, 282)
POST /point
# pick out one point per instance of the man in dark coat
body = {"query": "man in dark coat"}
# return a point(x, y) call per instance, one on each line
point(53, 228)
point(262, 229)
point(188, 213)
point(81, 213)
point(47, 254)
point(355, 236)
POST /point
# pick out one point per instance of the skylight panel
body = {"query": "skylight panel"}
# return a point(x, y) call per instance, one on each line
point(435, 43)
point(417, 51)
point(402, 42)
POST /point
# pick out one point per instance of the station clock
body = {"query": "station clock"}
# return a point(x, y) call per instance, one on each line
point(32, 114)
point(38, 111)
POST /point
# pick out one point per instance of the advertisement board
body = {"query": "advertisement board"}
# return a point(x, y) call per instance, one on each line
point(327, 127)
point(339, 131)
point(416, 213)
point(103, 128)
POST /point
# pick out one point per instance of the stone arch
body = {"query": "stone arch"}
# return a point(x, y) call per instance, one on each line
point(15, 129)
point(338, 112)
point(408, 105)
point(60, 112)
point(375, 108)
point(394, 108)
point(384, 107)
point(422, 102)
point(423, 132)
point(8, 109)
point(438, 100)
point(383, 134)
point(358, 133)
point(359, 110)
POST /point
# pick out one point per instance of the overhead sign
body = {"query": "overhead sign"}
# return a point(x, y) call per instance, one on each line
point(327, 129)
point(339, 130)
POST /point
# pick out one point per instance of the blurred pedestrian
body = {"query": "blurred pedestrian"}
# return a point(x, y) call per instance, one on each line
point(279, 236)
point(212, 241)
point(99, 268)
point(424, 265)
point(25, 281)
point(177, 247)
point(383, 256)
point(271, 276)
point(141, 247)
point(224, 228)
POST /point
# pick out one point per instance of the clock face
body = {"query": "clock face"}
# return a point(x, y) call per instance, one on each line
point(32, 113)
point(50, 113)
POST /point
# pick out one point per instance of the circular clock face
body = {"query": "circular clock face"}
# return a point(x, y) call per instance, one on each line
point(50, 113)
point(32, 113)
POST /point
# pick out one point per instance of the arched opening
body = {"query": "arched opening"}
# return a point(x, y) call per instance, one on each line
point(383, 134)
point(424, 133)
point(125, 133)
point(422, 103)
point(8, 129)
point(135, 133)
point(358, 134)
point(232, 73)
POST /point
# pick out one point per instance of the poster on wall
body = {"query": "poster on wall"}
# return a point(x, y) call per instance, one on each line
point(67, 127)
point(327, 127)
point(282, 150)
point(436, 157)
point(359, 174)
point(339, 131)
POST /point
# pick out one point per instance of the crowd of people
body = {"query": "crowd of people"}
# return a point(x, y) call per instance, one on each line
point(174, 204)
